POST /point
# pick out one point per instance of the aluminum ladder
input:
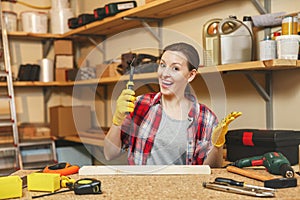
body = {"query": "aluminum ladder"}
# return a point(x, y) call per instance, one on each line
point(11, 145)
point(14, 146)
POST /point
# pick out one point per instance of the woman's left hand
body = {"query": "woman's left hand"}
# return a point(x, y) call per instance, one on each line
point(219, 132)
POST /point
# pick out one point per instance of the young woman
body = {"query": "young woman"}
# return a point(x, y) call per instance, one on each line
point(168, 127)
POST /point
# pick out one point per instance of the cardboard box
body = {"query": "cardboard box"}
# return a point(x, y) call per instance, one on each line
point(63, 47)
point(104, 70)
point(68, 120)
point(61, 74)
point(64, 61)
point(34, 131)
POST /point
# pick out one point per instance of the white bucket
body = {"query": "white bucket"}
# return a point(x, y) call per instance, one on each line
point(34, 22)
point(47, 70)
point(10, 20)
point(288, 46)
point(59, 20)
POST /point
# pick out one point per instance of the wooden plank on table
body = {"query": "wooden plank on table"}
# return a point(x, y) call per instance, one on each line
point(144, 169)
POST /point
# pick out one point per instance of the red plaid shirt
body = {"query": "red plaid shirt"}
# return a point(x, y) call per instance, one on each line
point(140, 127)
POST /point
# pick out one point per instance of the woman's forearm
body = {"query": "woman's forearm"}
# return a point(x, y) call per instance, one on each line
point(215, 157)
point(112, 143)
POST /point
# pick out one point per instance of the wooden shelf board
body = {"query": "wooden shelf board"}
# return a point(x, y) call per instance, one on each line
point(278, 64)
point(159, 9)
point(85, 140)
point(33, 36)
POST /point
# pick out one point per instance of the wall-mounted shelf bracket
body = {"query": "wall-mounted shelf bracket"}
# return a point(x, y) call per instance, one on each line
point(263, 9)
point(101, 48)
point(47, 46)
point(47, 92)
point(157, 35)
point(266, 93)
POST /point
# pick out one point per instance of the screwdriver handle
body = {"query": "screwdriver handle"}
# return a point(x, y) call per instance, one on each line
point(229, 181)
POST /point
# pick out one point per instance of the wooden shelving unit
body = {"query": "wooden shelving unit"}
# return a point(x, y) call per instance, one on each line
point(159, 9)
point(278, 64)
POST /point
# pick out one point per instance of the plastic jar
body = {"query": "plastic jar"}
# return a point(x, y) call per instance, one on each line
point(10, 20)
point(34, 22)
point(288, 46)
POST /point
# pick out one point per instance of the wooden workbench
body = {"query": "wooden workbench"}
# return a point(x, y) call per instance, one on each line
point(164, 187)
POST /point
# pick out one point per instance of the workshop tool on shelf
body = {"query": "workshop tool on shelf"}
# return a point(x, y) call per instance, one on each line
point(232, 186)
point(6, 73)
point(274, 162)
point(269, 181)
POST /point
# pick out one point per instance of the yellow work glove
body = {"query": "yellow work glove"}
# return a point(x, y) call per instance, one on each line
point(125, 105)
point(219, 132)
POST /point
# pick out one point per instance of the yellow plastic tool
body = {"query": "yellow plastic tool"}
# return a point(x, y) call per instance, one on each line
point(46, 182)
point(11, 187)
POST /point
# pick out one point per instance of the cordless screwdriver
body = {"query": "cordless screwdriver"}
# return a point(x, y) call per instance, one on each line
point(274, 162)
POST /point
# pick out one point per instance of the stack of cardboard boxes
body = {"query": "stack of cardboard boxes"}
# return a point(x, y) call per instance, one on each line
point(67, 120)
point(64, 60)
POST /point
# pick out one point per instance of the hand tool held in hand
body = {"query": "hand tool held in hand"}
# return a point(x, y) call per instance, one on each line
point(130, 82)
point(275, 163)
point(125, 102)
point(63, 169)
point(219, 132)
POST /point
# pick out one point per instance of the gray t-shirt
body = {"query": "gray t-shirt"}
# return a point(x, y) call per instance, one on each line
point(170, 142)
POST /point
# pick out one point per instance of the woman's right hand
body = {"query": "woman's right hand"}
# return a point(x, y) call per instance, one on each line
point(125, 105)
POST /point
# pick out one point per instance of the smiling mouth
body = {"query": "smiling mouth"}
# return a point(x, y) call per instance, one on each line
point(166, 83)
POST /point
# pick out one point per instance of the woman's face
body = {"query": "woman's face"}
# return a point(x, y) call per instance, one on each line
point(173, 73)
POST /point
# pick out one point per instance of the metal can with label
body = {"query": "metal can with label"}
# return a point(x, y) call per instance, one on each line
point(295, 25)
point(287, 25)
point(267, 49)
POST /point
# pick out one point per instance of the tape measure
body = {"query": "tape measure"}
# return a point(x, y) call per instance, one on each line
point(87, 186)
point(64, 169)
